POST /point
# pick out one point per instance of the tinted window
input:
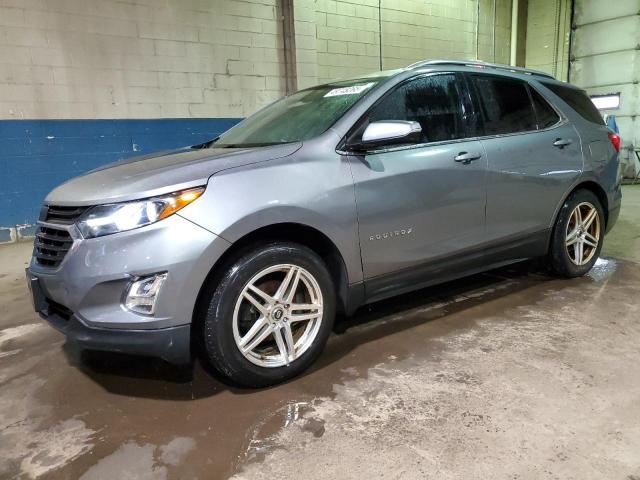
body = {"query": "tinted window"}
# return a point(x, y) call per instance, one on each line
point(578, 100)
point(434, 102)
point(505, 105)
point(545, 113)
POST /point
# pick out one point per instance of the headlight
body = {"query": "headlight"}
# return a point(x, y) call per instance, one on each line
point(119, 217)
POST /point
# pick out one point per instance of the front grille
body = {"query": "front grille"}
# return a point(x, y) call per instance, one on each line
point(51, 245)
point(63, 215)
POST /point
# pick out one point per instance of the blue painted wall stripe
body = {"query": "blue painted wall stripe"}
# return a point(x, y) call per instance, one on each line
point(37, 155)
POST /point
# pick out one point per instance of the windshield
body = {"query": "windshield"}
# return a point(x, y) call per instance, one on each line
point(297, 117)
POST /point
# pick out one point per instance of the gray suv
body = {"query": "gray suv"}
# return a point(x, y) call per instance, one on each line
point(246, 247)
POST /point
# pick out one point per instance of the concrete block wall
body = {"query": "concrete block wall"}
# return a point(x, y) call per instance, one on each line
point(353, 37)
point(347, 38)
point(495, 31)
point(548, 34)
point(306, 43)
point(138, 59)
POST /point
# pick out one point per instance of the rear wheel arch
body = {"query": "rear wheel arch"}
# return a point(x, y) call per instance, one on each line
point(567, 256)
point(593, 187)
point(589, 185)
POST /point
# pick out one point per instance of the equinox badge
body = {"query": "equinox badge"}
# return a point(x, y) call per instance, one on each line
point(394, 233)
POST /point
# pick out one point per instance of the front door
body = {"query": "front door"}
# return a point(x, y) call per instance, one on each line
point(420, 204)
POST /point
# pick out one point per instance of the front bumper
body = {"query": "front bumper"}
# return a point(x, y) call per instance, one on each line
point(83, 297)
point(171, 344)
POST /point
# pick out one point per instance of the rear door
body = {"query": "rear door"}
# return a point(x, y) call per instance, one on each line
point(416, 203)
point(533, 157)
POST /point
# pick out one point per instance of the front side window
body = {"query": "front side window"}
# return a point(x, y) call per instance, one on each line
point(505, 105)
point(433, 101)
point(297, 117)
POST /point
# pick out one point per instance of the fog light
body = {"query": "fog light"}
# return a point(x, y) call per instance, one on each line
point(143, 293)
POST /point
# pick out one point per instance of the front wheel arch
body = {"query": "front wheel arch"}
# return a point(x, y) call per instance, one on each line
point(218, 328)
point(286, 232)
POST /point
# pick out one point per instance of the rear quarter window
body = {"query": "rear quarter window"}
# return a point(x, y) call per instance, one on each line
point(578, 100)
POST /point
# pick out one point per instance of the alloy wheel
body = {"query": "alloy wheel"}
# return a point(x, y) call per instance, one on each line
point(583, 233)
point(277, 315)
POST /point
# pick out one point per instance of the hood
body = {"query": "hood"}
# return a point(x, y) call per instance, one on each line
point(159, 173)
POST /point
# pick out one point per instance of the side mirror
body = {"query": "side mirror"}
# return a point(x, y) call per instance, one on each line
point(388, 132)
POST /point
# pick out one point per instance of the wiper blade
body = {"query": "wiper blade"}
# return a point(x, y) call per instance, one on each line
point(247, 145)
point(206, 144)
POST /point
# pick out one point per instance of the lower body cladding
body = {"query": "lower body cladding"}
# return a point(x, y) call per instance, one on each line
point(96, 299)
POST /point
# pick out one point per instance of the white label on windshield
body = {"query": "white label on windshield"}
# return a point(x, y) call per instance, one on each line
point(353, 90)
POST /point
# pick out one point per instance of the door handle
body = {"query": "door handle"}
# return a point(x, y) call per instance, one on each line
point(562, 142)
point(466, 157)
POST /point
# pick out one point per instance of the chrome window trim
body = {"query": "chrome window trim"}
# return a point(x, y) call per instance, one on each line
point(562, 120)
point(449, 142)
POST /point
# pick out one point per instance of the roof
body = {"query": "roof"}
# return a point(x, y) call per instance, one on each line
point(480, 64)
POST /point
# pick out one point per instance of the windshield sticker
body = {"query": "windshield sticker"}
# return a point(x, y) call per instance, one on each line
point(353, 90)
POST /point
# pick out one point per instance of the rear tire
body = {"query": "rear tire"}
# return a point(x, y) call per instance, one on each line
point(256, 329)
point(577, 236)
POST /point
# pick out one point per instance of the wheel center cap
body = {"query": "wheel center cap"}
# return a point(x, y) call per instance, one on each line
point(277, 314)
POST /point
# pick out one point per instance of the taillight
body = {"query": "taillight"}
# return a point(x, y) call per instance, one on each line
point(615, 140)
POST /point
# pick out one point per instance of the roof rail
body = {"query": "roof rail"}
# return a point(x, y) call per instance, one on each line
point(480, 64)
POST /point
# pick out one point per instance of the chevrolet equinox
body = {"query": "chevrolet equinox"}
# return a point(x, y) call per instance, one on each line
point(330, 198)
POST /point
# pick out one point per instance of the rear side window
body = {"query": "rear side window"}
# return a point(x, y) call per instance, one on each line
point(505, 104)
point(434, 102)
point(545, 113)
point(578, 100)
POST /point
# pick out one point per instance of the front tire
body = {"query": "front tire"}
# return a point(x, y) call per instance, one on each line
point(577, 235)
point(270, 315)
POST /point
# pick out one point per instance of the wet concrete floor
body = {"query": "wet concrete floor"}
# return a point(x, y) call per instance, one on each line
point(508, 374)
